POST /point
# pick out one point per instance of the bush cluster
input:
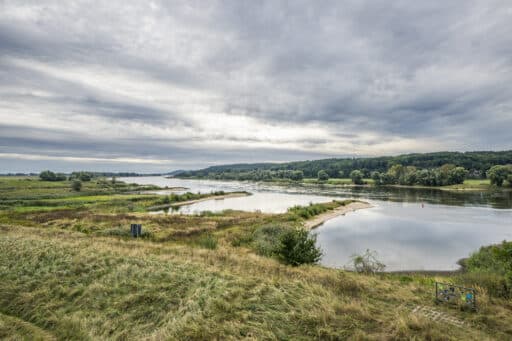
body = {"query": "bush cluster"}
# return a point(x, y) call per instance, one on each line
point(307, 212)
point(447, 174)
point(298, 246)
point(498, 174)
point(51, 176)
point(491, 267)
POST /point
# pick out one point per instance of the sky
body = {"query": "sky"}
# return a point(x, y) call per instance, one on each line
point(155, 86)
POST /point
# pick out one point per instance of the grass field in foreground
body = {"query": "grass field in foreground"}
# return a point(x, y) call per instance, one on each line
point(76, 286)
point(74, 273)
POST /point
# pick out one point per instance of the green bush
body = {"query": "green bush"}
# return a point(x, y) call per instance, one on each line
point(495, 284)
point(491, 267)
point(312, 210)
point(76, 185)
point(298, 247)
point(51, 176)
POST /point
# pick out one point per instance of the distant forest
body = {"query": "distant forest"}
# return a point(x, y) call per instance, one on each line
point(475, 163)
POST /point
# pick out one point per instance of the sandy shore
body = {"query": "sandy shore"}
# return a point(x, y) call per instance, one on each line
point(342, 210)
point(215, 197)
point(190, 202)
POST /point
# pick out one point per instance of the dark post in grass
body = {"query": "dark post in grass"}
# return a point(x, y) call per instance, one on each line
point(136, 230)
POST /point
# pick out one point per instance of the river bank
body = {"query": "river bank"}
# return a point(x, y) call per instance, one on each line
point(195, 201)
point(341, 210)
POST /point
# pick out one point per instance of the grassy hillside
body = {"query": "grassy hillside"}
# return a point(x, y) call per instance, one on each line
point(72, 272)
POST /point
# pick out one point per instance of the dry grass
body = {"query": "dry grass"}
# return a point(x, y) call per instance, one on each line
point(82, 286)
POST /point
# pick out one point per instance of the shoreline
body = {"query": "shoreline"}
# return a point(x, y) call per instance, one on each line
point(448, 188)
point(190, 202)
point(342, 210)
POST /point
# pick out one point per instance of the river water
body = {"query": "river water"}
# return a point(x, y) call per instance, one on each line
point(410, 229)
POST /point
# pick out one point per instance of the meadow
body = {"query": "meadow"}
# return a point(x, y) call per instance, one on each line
point(71, 270)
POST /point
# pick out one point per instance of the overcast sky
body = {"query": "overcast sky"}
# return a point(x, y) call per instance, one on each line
point(164, 85)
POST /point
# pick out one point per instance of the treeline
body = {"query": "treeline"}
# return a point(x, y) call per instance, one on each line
point(82, 176)
point(257, 175)
point(447, 174)
point(48, 175)
point(476, 163)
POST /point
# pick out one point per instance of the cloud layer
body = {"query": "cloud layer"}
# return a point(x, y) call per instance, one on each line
point(151, 86)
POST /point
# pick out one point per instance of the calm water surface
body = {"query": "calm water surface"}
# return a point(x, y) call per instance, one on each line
point(410, 229)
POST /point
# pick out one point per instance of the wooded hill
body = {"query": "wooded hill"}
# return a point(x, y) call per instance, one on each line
point(477, 163)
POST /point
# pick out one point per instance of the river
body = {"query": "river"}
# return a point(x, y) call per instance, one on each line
point(410, 229)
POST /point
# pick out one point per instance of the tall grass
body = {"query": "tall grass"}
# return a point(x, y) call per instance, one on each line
point(74, 286)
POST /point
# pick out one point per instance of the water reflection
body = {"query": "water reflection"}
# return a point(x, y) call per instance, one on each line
point(266, 202)
point(411, 237)
point(496, 199)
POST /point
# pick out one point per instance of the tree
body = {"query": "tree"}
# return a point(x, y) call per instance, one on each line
point(298, 247)
point(322, 175)
point(76, 185)
point(395, 173)
point(82, 176)
point(376, 177)
point(409, 176)
point(443, 174)
point(357, 177)
point(296, 175)
point(48, 175)
point(497, 174)
point(457, 175)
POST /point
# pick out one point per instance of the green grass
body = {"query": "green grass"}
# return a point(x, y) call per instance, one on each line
point(471, 184)
point(75, 273)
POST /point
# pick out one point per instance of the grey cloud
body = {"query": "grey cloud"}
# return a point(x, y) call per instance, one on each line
point(390, 70)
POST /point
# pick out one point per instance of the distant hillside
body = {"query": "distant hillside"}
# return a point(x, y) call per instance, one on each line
point(477, 163)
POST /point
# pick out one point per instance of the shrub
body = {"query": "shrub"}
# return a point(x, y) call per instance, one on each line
point(82, 176)
point(367, 262)
point(298, 247)
point(76, 185)
point(51, 176)
point(312, 210)
point(491, 268)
